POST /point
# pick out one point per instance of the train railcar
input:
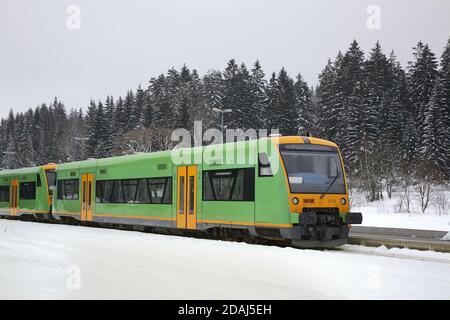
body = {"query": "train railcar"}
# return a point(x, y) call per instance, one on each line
point(27, 192)
point(289, 188)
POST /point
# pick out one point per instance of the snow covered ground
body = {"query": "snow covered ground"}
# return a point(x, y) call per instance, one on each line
point(41, 261)
point(387, 213)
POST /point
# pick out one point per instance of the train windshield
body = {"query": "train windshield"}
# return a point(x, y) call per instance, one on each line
point(314, 171)
point(51, 180)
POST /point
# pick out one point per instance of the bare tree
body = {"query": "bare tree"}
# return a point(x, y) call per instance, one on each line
point(442, 199)
point(405, 195)
point(391, 166)
point(428, 178)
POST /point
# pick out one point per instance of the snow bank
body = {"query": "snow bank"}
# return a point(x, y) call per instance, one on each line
point(43, 261)
point(386, 213)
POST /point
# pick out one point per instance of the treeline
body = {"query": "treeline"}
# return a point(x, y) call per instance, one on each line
point(143, 119)
point(393, 125)
point(386, 119)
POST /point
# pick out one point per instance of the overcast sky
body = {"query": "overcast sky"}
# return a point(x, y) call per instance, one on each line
point(121, 44)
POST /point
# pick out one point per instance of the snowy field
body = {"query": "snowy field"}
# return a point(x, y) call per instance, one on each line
point(387, 213)
point(41, 261)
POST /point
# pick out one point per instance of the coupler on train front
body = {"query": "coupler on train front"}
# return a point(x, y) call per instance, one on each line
point(323, 229)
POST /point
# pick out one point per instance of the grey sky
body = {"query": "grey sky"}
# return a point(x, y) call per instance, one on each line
point(123, 43)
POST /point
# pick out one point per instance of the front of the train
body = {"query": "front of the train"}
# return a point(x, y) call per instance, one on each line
point(317, 191)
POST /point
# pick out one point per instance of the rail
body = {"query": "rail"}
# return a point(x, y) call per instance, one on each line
point(399, 238)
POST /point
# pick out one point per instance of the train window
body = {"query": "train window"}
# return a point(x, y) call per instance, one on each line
point(237, 189)
point(313, 171)
point(167, 197)
point(98, 191)
point(104, 191)
point(229, 185)
point(191, 194)
point(181, 193)
point(68, 189)
point(51, 180)
point(157, 188)
point(143, 191)
point(89, 194)
point(264, 169)
point(27, 191)
point(160, 190)
point(4, 194)
point(129, 190)
point(117, 192)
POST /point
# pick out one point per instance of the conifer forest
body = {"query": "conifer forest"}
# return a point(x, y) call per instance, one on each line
point(391, 122)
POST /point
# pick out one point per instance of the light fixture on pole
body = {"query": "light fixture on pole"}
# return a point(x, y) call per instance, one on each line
point(222, 111)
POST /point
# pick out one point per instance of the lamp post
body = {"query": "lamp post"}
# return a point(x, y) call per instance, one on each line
point(221, 111)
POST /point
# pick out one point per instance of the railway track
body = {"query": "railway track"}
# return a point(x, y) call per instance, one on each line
point(399, 238)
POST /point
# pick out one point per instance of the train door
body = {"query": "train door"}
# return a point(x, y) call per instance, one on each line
point(14, 196)
point(87, 181)
point(187, 197)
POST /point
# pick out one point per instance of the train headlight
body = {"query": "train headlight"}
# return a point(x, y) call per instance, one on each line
point(343, 201)
point(295, 200)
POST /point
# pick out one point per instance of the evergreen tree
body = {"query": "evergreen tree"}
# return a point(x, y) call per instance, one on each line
point(92, 132)
point(120, 118)
point(25, 146)
point(109, 135)
point(303, 106)
point(377, 100)
point(3, 141)
point(230, 97)
point(325, 93)
point(422, 74)
point(258, 96)
point(436, 125)
point(161, 116)
point(337, 110)
point(353, 127)
point(77, 131)
point(50, 143)
point(147, 113)
point(244, 116)
point(199, 109)
point(59, 132)
point(272, 92)
point(139, 106)
point(129, 112)
point(214, 91)
point(284, 111)
point(382, 117)
point(181, 98)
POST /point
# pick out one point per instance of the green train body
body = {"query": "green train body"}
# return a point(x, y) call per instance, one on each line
point(249, 186)
point(33, 191)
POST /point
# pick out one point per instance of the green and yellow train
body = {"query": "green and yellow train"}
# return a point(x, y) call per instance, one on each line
point(288, 188)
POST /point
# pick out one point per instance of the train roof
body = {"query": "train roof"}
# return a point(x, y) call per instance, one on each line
point(21, 171)
point(162, 155)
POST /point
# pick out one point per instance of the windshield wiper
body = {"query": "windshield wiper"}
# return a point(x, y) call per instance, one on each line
point(329, 186)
